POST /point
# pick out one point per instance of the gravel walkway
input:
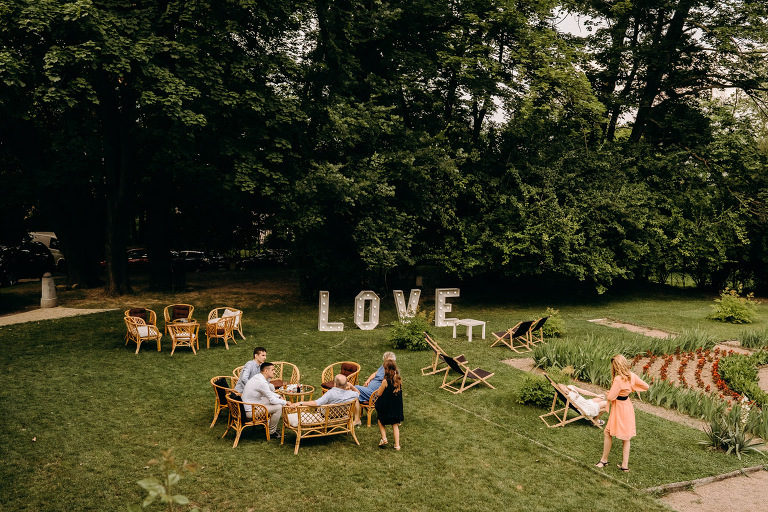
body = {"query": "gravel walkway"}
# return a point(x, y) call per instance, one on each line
point(46, 314)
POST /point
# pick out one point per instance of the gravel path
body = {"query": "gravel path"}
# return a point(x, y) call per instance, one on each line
point(36, 315)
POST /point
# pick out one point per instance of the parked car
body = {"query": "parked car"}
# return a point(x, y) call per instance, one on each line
point(137, 259)
point(217, 260)
point(194, 261)
point(269, 257)
point(48, 239)
point(27, 259)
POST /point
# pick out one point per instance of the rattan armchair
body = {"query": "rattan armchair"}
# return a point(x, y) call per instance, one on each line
point(236, 372)
point(221, 325)
point(285, 373)
point(184, 335)
point(238, 419)
point(222, 384)
point(138, 331)
point(327, 420)
point(149, 316)
point(370, 406)
point(176, 312)
point(349, 369)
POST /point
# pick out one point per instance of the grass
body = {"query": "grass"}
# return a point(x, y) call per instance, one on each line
point(82, 415)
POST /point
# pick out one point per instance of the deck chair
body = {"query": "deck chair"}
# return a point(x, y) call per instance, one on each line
point(518, 338)
point(561, 415)
point(537, 331)
point(467, 377)
point(434, 367)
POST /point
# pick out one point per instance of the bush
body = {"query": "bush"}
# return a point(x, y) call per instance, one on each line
point(740, 373)
point(754, 339)
point(410, 334)
point(535, 390)
point(731, 307)
point(555, 326)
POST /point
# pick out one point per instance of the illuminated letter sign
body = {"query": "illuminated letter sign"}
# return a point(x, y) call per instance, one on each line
point(442, 307)
point(322, 321)
point(373, 319)
point(403, 312)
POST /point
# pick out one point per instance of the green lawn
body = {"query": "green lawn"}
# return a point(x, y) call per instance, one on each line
point(82, 415)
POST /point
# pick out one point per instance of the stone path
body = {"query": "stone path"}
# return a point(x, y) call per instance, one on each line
point(36, 315)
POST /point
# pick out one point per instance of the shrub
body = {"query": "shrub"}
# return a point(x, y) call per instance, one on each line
point(555, 326)
point(535, 390)
point(731, 307)
point(687, 341)
point(754, 339)
point(727, 432)
point(410, 333)
point(739, 371)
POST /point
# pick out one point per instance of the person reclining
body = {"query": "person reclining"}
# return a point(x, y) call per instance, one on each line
point(593, 407)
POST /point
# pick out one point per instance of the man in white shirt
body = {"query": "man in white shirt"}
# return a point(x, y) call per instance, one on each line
point(251, 369)
point(257, 391)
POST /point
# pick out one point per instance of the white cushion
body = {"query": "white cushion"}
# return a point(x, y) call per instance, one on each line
point(147, 330)
point(229, 312)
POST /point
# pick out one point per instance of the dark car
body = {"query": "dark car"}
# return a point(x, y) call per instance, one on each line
point(217, 260)
point(137, 259)
point(27, 259)
point(267, 258)
point(195, 261)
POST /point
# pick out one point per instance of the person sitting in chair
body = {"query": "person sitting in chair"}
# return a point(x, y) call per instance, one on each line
point(258, 391)
point(593, 407)
point(341, 392)
point(252, 368)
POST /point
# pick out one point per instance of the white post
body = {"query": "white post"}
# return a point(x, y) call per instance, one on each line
point(403, 312)
point(442, 307)
point(373, 319)
point(49, 299)
point(322, 321)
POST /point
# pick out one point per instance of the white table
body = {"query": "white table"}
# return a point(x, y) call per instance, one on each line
point(469, 323)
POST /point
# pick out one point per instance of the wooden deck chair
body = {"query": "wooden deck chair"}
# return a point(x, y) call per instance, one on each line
point(518, 338)
point(467, 377)
point(434, 367)
point(561, 414)
point(537, 331)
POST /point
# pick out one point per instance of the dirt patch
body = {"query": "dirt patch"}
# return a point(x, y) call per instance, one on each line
point(744, 493)
point(46, 314)
point(646, 331)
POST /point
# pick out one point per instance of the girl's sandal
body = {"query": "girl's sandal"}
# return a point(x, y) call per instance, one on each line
point(601, 464)
point(621, 468)
point(383, 442)
point(397, 447)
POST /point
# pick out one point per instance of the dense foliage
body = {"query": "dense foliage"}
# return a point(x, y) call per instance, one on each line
point(376, 138)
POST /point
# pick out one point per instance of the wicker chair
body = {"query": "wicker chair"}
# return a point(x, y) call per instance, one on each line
point(184, 335)
point(236, 372)
point(221, 325)
point(285, 373)
point(149, 316)
point(222, 384)
point(238, 419)
point(138, 331)
point(175, 312)
point(349, 369)
point(327, 420)
point(370, 406)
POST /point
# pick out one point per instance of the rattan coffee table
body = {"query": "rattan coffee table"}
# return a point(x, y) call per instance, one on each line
point(304, 396)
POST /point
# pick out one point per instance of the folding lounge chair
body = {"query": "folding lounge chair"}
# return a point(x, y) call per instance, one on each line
point(518, 338)
point(474, 377)
point(537, 331)
point(436, 361)
point(561, 415)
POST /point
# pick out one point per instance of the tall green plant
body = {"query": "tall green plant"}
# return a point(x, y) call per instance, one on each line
point(163, 489)
point(727, 432)
point(731, 307)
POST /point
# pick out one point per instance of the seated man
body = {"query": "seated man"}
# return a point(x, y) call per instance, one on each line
point(257, 391)
point(592, 408)
point(342, 392)
point(251, 368)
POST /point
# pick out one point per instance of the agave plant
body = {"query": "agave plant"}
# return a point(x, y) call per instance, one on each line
point(727, 432)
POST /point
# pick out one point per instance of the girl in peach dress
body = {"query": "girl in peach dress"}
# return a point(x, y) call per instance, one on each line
point(621, 422)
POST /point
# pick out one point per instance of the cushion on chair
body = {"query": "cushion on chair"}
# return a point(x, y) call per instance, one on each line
point(347, 369)
point(147, 330)
point(278, 383)
point(138, 313)
point(238, 399)
point(327, 385)
point(180, 312)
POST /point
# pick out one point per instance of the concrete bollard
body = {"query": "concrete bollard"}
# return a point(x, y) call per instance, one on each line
point(49, 298)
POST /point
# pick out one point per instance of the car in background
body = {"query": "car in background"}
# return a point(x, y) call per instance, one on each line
point(28, 259)
point(195, 261)
point(217, 260)
point(48, 239)
point(137, 259)
point(266, 258)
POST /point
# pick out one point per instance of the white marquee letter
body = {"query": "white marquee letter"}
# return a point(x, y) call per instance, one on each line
point(373, 319)
point(442, 307)
point(322, 320)
point(404, 313)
